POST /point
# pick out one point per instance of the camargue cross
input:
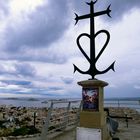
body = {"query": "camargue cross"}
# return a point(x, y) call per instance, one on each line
point(92, 71)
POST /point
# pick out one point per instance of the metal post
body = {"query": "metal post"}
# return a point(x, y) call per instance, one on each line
point(66, 115)
point(34, 118)
point(78, 113)
point(118, 103)
point(126, 119)
point(45, 129)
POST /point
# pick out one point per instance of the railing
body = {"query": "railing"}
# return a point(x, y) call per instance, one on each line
point(60, 118)
point(63, 115)
point(130, 103)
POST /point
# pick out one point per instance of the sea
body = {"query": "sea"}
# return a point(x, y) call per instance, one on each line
point(133, 103)
point(39, 102)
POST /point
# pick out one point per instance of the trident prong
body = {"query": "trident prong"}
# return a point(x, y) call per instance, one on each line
point(108, 11)
point(76, 18)
point(89, 3)
point(80, 71)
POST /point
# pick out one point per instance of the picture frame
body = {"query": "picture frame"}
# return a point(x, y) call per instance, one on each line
point(90, 98)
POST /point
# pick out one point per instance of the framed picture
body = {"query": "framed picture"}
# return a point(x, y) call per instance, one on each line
point(90, 98)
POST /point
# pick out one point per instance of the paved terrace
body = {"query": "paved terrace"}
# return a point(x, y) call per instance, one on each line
point(123, 133)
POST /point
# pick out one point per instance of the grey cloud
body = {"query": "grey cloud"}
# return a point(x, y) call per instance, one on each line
point(38, 30)
point(45, 91)
point(47, 24)
point(67, 80)
point(118, 7)
point(4, 7)
point(4, 71)
point(43, 27)
point(4, 90)
point(48, 55)
point(25, 70)
point(54, 88)
point(16, 82)
point(125, 91)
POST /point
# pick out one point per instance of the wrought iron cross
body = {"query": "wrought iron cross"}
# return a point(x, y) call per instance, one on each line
point(93, 58)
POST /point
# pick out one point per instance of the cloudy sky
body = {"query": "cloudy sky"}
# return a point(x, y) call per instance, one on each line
point(38, 47)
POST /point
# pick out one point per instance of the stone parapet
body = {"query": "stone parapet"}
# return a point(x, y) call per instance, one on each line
point(92, 83)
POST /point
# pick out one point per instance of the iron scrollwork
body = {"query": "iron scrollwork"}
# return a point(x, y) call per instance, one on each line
point(93, 58)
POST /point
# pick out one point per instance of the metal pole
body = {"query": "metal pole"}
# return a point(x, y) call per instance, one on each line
point(66, 115)
point(45, 129)
point(34, 118)
point(126, 120)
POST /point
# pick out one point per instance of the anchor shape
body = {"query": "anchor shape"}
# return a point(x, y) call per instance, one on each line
point(93, 59)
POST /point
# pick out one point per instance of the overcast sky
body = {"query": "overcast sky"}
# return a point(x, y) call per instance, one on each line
point(38, 47)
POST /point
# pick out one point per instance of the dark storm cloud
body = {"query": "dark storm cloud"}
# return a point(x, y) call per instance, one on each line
point(43, 27)
point(49, 22)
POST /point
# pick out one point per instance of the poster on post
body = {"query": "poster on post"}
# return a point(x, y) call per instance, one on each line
point(90, 98)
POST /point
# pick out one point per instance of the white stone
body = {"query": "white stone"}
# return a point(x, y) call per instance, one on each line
point(88, 134)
